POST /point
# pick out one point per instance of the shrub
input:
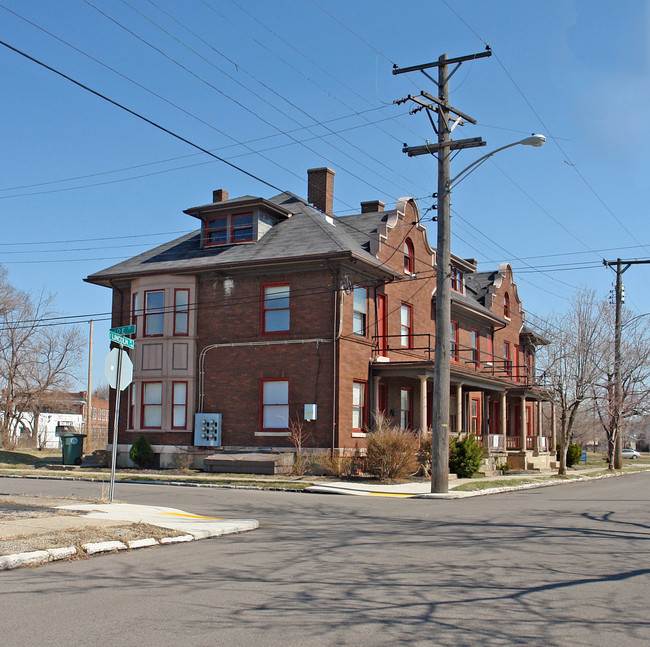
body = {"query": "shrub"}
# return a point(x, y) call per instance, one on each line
point(141, 453)
point(465, 456)
point(391, 452)
point(337, 465)
point(573, 454)
point(424, 455)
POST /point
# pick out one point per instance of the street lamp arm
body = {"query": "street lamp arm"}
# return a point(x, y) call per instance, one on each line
point(533, 140)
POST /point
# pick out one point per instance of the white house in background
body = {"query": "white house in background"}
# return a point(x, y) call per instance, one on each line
point(47, 424)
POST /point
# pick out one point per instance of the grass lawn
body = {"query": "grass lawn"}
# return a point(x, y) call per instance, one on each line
point(18, 458)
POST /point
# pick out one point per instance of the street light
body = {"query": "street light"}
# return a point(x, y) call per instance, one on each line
point(441, 367)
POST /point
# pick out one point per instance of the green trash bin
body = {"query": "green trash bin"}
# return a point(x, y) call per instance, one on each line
point(72, 445)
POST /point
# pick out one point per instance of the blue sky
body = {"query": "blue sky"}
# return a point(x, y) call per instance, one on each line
point(281, 87)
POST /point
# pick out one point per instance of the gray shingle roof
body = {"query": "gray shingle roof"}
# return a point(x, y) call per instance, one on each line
point(306, 234)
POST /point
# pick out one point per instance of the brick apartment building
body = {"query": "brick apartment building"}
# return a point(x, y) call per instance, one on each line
point(276, 305)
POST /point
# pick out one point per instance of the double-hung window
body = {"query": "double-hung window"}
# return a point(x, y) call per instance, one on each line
point(229, 229)
point(275, 308)
point(179, 405)
point(405, 407)
point(489, 341)
point(454, 336)
point(181, 312)
point(152, 405)
point(409, 257)
point(154, 313)
point(456, 280)
point(507, 361)
point(516, 359)
point(275, 405)
point(358, 406)
point(241, 227)
point(360, 311)
point(476, 358)
point(406, 326)
point(506, 305)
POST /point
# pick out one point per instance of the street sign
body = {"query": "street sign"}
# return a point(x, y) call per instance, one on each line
point(126, 369)
point(119, 339)
point(124, 330)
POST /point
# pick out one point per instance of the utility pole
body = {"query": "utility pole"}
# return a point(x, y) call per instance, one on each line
point(618, 327)
point(89, 393)
point(443, 149)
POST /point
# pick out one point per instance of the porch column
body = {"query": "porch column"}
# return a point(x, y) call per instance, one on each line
point(553, 429)
point(522, 421)
point(459, 407)
point(539, 425)
point(503, 422)
point(423, 405)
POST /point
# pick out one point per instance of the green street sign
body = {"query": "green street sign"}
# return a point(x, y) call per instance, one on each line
point(124, 330)
point(119, 339)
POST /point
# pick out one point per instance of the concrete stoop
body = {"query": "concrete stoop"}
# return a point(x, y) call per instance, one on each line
point(249, 463)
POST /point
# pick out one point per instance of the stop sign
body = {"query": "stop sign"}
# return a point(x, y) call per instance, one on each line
point(126, 369)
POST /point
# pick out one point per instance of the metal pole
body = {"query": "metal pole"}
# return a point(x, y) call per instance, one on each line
point(618, 459)
point(116, 420)
point(89, 393)
point(441, 368)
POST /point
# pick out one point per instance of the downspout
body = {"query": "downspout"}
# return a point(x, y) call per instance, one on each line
point(336, 334)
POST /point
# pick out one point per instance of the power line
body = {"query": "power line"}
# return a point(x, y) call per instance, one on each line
point(139, 116)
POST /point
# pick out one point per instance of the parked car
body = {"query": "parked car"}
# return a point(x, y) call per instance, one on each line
point(628, 452)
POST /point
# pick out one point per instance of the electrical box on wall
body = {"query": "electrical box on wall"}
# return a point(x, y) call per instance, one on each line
point(207, 429)
point(310, 412)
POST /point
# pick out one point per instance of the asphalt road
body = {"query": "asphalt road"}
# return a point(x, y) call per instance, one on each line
point(563, 565)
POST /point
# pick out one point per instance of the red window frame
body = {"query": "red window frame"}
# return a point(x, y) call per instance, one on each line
point(454, 330)
point(476, 347)
point(409, 256)
point(158, 313)
point(143, 406)
point(183, 310)
point(135, 298)
point(507, 361)
point(235, 227)
point(506, 305)
point(264, 309)
point(363, 407)
point(210, 229)
point(177, 404)
point(490, 347)
point(263, 381)
point(406, 328)
point(456, 280)
point(355, 330)
point(408, 418)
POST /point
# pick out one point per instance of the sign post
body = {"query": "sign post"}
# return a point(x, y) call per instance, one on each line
point(119, 382)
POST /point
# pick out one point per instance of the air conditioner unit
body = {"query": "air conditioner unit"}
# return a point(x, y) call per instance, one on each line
point(207, 429)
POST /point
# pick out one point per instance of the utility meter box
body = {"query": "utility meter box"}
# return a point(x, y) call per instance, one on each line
point(207, 429)
point(310, 412)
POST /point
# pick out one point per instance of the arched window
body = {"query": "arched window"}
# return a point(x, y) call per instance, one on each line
point(506, 306)
point(409, 257)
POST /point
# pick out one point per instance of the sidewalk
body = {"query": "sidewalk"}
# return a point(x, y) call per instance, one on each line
point(98, 521)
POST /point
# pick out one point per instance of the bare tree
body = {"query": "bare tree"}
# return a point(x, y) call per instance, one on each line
point(568, 363)
point(34, 358)
point(635, 373)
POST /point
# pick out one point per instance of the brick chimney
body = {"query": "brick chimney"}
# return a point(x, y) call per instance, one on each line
point(219, 195)
point(372, 206)
point(320, 188)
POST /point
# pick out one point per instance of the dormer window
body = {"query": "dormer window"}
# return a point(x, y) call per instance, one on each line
point(456, 280)
point(229, 229)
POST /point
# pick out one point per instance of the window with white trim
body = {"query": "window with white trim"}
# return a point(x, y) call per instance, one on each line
point(152, 405)
point(360, 311)
point(179, 405)
point(275, 405)
point(358, 406)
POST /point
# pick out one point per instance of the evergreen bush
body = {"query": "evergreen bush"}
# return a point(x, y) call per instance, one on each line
point(573, 454)
point(141, 453)
point(465, 456)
